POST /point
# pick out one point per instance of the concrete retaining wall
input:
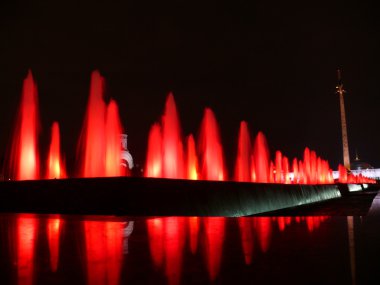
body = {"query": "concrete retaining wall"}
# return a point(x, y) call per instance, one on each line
point(156, 197)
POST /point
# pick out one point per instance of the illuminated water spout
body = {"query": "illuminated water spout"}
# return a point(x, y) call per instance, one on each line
point(55, 169)
point(192, 159)
point(212, 161)
point(165, 148)
point(113, 129)
point(24, 152)
point(242, 166)
point(261, 159)
point(154, 155)
point(99, 145)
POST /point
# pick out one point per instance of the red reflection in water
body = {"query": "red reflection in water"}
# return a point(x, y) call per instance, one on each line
point(194, 224)
point(247, 241)
point(55, 168)
point(53, 232)
point(263, 226)
point(214, 240)
point(281, 223)
point(167, 239)
point(156, 240)
point(166, 242)
point(104, 251)
point(174, 246)
point(26, 241)
point(313, 223)
point(24, 152)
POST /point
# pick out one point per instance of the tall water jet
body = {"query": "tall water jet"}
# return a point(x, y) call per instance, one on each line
point(343, 175)
point(172, 147)
point(271, 173)
point(313, 167)
point(167, 136)
point(212, 160)
point(192, 159)
point(301, 173)
point(242, 166)
point(295, 171)
point(307, 165)
point(24, 160)
point(253, 170)
point(154, 155)
point(113, 129)
point(92, 140)
point(56, 168)
point(99, 145)
point(278, 161)
point(285, 170)
point(261, 158)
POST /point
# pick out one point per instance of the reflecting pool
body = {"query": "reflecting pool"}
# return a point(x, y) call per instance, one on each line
point(55, 249)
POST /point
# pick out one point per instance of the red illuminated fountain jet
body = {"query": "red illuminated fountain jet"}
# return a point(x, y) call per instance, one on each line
point(169, 155)
point(99, 146)
point(24, 153)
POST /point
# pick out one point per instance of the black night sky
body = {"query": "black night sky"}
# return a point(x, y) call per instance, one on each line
point(271, 63)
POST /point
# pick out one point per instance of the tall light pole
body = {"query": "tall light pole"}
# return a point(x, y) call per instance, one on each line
point(341, 91)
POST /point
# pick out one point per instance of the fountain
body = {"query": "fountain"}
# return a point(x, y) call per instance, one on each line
point(154, 154)
point(242, 167)
point(185, 179)
point(261, 160)
point(55, 166)
point(192, 159)
point(113, 129)
point(165, 148)
point(24, 152)
point(99, 145)
point(211, 152)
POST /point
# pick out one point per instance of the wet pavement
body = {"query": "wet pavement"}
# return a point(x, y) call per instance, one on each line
point(334, 242)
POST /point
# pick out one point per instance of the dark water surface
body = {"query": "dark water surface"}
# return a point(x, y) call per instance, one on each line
point(44, 249)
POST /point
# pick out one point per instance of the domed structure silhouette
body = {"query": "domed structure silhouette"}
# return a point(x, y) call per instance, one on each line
point(358, 164)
